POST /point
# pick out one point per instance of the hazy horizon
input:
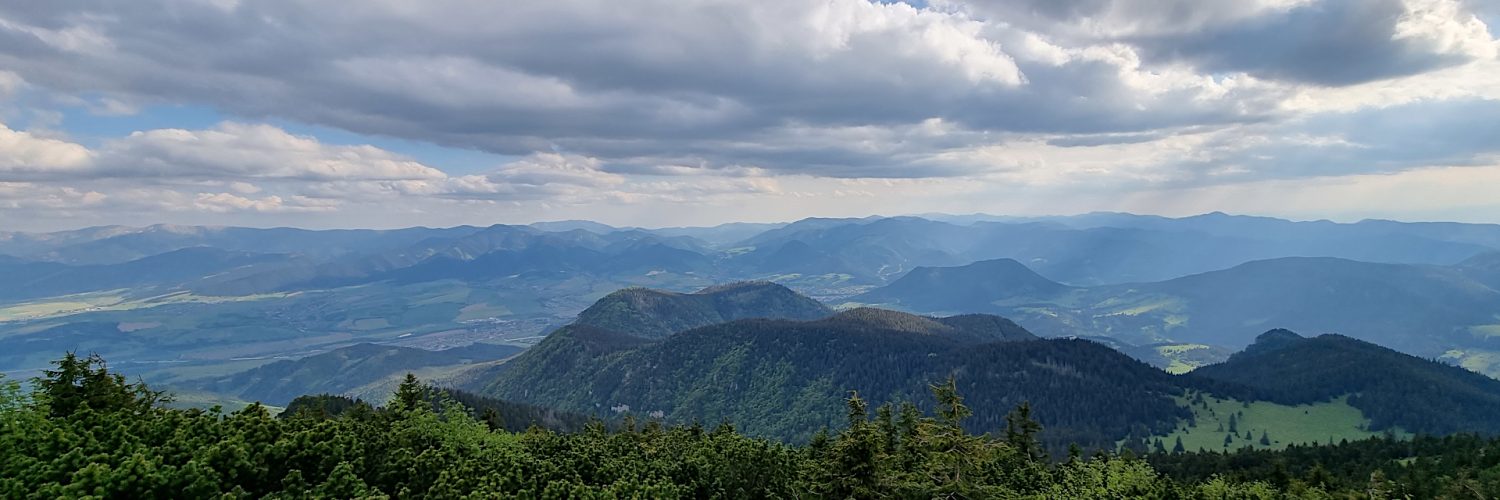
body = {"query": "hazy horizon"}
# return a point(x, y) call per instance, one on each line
point(926, 215)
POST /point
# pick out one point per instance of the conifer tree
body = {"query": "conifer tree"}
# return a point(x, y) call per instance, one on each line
point(1021, 432)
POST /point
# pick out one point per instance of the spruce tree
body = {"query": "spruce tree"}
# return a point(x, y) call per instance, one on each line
point(1021, 432)
point(410, 395)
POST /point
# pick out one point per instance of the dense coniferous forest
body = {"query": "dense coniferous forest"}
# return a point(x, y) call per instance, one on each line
point(83, 431)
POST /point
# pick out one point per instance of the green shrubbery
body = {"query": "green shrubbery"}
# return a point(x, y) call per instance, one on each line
point(83, 432)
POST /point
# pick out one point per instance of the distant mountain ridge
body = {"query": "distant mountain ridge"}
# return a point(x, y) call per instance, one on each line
point(44, 279)
point(1424, 310)
point(341, 370)
point(838, 254)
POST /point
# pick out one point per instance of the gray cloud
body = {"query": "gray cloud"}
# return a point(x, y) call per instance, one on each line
point(664, 102)
point(666, 82)
point(1369, 141)
point(1322, 42)
point(1335, 42)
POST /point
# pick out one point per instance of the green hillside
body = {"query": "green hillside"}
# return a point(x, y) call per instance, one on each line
point(1393, 390)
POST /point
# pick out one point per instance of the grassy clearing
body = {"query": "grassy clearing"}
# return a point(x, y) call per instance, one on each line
point(1283, 425)
point(1180, 357)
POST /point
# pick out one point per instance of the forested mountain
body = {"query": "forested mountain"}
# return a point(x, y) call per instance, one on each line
point(1425, 310)
point(26, 280)
point(1392, 389)
point(648, 313)
point(976, 287)
point(341, 370)
point(787, 379)
point(116, 244)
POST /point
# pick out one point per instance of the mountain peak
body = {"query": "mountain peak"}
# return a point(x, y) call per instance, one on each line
point(1276, 339)
point(653, 314)
point(1278, 335)
point(974, 287)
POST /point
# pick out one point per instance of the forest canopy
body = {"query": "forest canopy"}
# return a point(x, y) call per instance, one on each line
point(82, 431)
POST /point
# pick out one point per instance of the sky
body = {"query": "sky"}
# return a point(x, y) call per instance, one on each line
point(653, 113)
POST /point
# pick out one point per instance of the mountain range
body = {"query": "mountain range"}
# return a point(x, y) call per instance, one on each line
point(1426, 310)
point(787, 378)
point(182, 301)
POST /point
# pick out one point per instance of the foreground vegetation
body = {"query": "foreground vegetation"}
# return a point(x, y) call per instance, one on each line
point(85, 432)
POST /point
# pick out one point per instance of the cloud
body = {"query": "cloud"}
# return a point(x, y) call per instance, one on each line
point(768, 106)
point(1113, 19)
point(17, 196)
point(1337, 42)
point(25, 154)
point(10, 83)
point(1322, 42)
point(646, 84)
point(235, 150)
point(226, 202)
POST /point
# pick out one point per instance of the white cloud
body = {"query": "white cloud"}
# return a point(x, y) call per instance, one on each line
point(235, 150)
point(25, 154)
point(226, 202)
point(1446, 28)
